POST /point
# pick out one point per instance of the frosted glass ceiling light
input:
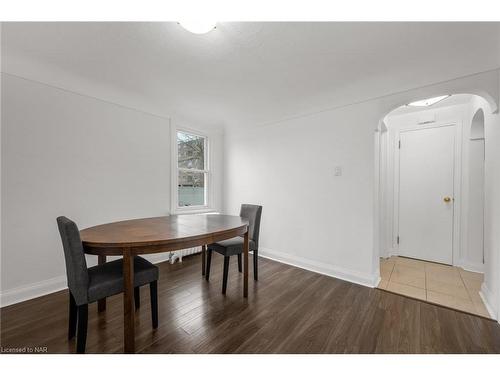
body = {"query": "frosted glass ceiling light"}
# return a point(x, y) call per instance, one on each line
point(198, 26)
point(427, 102)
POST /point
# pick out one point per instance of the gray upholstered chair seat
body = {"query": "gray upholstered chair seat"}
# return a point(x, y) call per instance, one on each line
point(232, 246)
point(107, 279)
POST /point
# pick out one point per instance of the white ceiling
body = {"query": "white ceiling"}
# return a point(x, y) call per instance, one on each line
point(246, 74)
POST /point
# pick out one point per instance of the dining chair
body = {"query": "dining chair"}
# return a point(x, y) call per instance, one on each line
point(87, 285)
point(234, 246)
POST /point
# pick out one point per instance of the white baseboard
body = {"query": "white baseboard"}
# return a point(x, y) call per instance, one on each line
point(30, 291)
point(473, 267)
point(322, 268)
point(391, 252)
point(41, 288)
point(488, 300)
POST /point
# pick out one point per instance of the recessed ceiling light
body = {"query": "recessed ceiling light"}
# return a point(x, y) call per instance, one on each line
point(198, 26)
point(428, 102)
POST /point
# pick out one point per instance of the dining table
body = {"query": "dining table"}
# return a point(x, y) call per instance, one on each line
point(129, 238)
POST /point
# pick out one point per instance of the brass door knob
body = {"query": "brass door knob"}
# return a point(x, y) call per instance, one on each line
point(447, 199)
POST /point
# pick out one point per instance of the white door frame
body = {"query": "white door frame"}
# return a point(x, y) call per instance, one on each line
point(457, 177)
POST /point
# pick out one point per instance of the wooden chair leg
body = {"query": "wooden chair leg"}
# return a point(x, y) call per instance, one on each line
point(224, 277)
point(255, 265)
point(81, 337)
point(73, 310)
point(209, 262)
point(101, 305)
point(239, 263)
point(137, 297)
point(153, 291)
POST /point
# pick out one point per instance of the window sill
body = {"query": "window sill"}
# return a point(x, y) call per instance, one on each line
point(194, 211)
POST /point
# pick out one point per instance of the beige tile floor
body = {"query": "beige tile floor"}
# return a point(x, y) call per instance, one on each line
point(437, 283)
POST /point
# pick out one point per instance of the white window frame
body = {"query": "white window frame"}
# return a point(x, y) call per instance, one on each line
point(175, 208)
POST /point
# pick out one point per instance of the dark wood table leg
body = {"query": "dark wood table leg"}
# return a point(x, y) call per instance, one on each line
point(203, 259)
point(128, 302)
point(101, 304)
point(245, 265)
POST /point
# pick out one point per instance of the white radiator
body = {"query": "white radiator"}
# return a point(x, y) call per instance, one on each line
point(177, 255)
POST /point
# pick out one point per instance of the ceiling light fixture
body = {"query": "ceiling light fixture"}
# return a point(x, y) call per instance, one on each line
point(428, 102)
point(198, 26)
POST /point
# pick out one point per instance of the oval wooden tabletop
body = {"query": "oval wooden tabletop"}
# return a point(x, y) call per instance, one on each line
point(161, 233)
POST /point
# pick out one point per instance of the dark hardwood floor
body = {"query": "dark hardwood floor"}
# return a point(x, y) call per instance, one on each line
point(289, 310)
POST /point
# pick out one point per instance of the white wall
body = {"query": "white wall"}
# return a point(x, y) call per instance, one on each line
point(473, 235)
point(385, 233)
point(473, 189)
point(68, 154)
point(310, 217)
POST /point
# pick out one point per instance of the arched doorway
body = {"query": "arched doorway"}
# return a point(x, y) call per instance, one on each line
point(466, 203)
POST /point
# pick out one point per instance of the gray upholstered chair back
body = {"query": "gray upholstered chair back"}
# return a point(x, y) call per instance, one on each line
point(252, 213)
point(76, 265)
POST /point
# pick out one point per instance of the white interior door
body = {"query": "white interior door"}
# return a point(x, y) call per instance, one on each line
point(426, 164)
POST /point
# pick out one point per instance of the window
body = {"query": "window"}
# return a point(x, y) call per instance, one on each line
point(192, 170)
